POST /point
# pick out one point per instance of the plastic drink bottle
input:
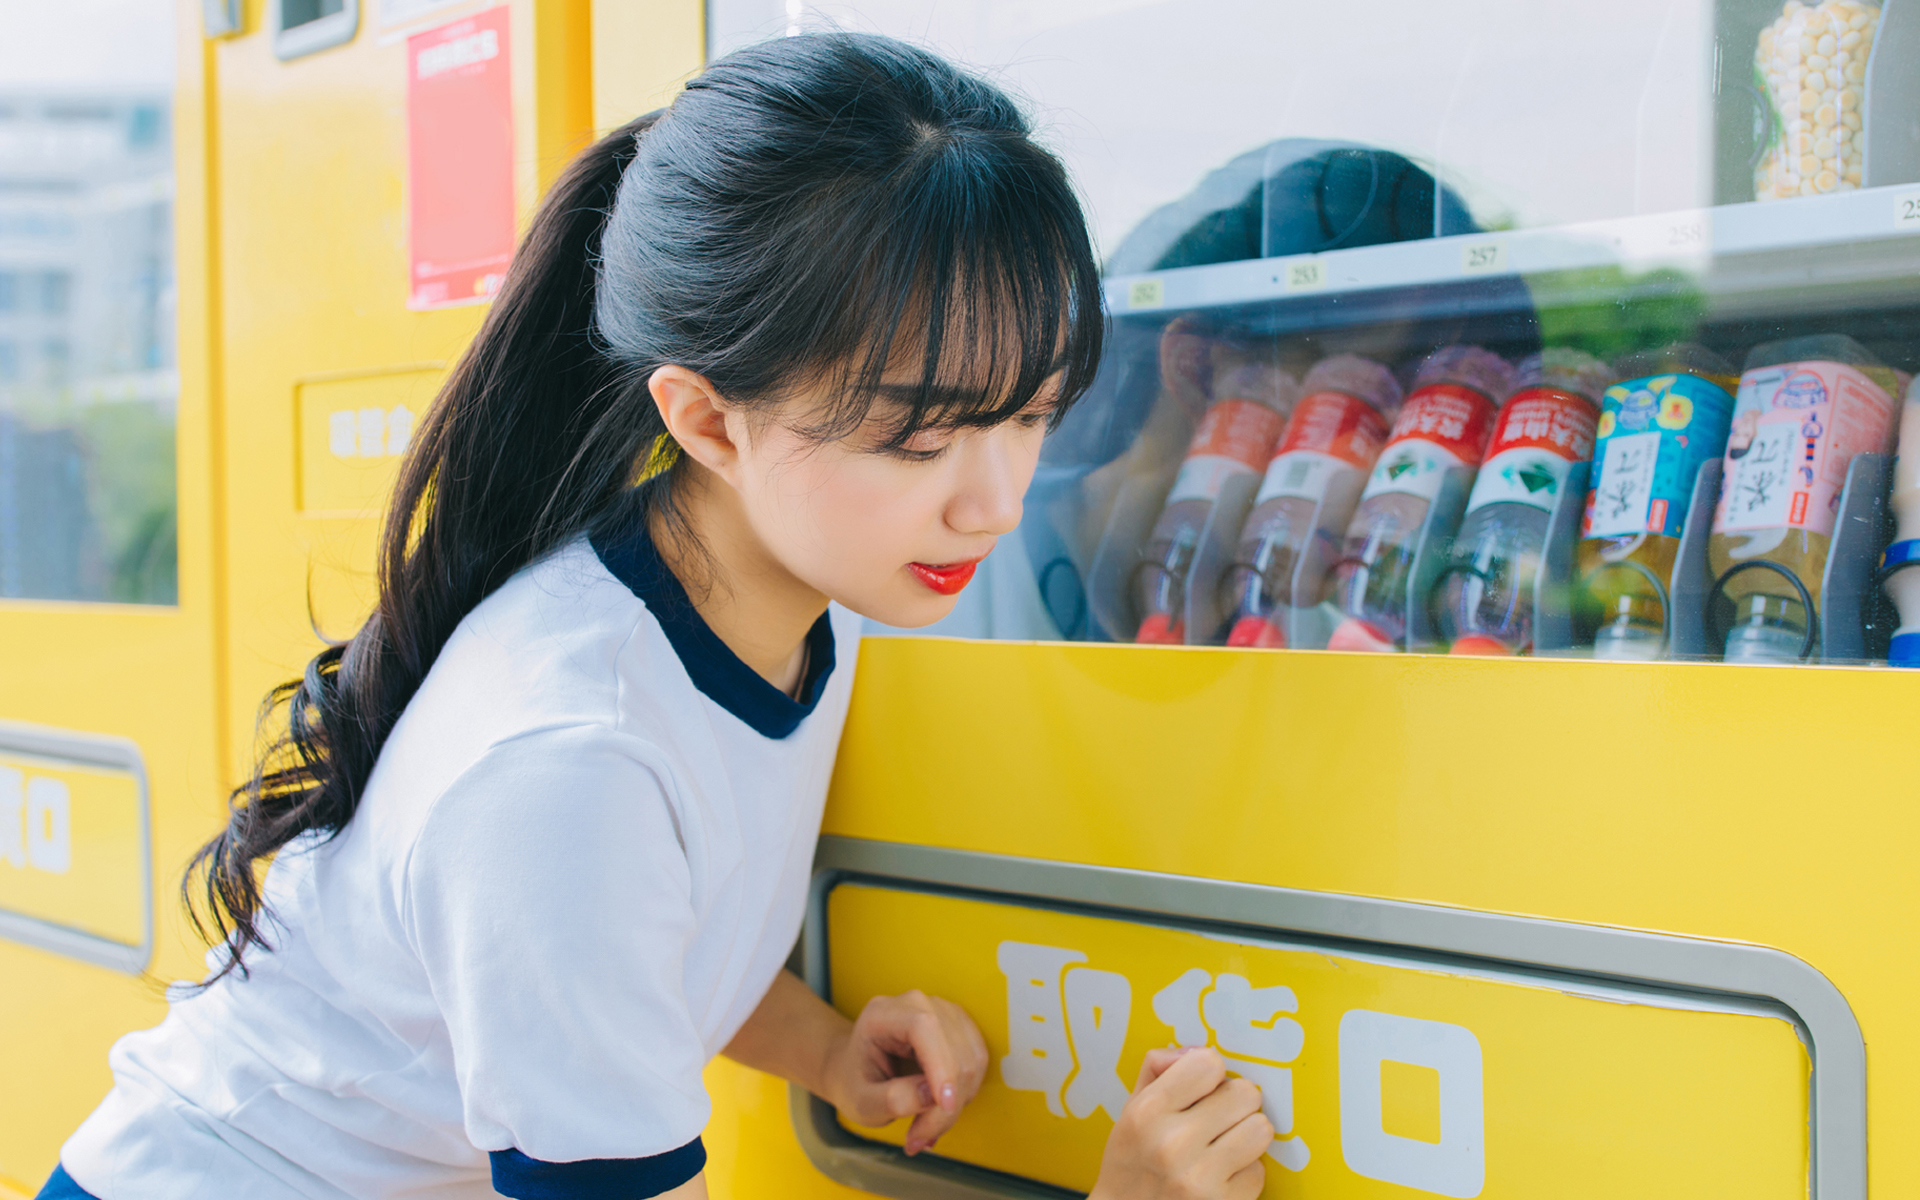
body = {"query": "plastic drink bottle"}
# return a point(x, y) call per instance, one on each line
point(1486, 601)
point(1251, 400)
point(1806, 406)
point(1331, 441)
point(1903, 584)
point(1444, 424)
point(1667, 416)
point(1186, 364)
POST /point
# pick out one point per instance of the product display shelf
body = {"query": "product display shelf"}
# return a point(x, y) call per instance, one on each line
point(1852, 238)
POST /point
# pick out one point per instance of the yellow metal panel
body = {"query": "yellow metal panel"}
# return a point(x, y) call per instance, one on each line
point(1750, 804)
point(70, 851)
point(148, 674)
point(350, 433)
point(643, 51)
point(752, 1153)
point(1536, 1090)
point(311, 179)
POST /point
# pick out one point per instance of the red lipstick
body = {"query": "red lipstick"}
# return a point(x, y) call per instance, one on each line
point(945, 578)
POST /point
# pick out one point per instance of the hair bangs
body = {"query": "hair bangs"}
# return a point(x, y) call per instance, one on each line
point(976, 293)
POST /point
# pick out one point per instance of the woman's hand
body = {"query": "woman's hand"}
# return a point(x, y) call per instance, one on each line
point(910, 1055)
point(1188, 1133)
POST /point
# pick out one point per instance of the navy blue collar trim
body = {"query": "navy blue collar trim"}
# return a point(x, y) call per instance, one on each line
point(514, 1174)
point(716, 670)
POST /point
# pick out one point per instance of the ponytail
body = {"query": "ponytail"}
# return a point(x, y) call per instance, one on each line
point(808, 208)
point(531, 437)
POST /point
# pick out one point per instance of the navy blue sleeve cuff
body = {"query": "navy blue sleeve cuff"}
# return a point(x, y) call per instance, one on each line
point(523, 1178)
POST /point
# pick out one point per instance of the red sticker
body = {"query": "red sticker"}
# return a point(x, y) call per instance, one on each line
point(1242, 430)
point(460, 218)
point(1334, 423)
point(1457, 419)
point(1544, 418)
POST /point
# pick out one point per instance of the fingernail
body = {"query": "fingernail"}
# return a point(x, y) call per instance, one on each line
point(912, 1147)
point(946, 1095)
point(926, 1094)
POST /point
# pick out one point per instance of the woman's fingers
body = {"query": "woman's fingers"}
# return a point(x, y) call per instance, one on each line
point(906, 1096)
point(1245, 1140)
point(1233, 1101)
point(1185, 1082)
point(1156, 1062)
point(907, 1026)
point(1247, 1182)
point(1189, 1133)
point(938, 1038)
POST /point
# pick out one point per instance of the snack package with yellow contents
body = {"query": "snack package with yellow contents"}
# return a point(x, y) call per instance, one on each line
point(1811, 65)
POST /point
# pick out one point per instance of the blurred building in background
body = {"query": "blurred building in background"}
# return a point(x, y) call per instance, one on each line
point(88, 377)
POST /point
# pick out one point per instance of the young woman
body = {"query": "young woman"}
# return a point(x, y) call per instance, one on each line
point(540, 833)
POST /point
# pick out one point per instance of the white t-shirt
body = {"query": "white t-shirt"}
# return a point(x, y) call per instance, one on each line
point(578, 864)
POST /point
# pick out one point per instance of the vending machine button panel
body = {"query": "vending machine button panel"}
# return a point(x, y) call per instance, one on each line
point(1446, 1052)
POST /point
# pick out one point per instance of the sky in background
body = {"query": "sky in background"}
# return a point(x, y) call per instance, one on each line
point(86, 43)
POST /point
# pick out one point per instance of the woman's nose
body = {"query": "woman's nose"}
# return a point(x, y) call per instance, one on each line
point(992, 482)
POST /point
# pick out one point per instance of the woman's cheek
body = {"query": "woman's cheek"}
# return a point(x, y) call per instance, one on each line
point(878, 520)
point(860, 518)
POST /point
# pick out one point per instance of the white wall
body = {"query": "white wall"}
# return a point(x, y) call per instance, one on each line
point(1540, 111)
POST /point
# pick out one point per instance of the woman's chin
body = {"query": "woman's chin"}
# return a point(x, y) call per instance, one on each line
point(910, 605)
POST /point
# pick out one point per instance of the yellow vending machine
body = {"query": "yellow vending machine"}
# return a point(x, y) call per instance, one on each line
point(1451, 663)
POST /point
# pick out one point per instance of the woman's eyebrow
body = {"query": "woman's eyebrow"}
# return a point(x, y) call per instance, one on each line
point(939, 393)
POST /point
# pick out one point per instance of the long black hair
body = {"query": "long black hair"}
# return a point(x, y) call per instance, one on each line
point(809, 210)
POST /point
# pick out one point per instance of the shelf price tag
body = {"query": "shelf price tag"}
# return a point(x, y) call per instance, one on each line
point(1303, 275)
point(1664, 236)
point(1146, 293)
point(1483, 258)
point(1906, 210)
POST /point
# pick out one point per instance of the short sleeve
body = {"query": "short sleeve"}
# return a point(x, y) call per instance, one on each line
point(550, 900)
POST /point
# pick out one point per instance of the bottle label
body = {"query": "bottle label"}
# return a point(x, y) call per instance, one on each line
point(1541, 433)
point(1443, 425)
point(1796, 427)
point(1330, 431)
point(1235, 437)
point(1654, 433)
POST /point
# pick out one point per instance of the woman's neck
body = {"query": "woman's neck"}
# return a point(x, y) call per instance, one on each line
point(744, 594)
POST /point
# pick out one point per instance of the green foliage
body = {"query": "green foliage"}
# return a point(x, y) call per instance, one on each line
point(131, 492)
point(1607, 313)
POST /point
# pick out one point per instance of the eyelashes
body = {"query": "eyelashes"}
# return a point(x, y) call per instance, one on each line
point(1026, 420)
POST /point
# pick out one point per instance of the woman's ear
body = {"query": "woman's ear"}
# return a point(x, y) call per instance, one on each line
point(696, 416)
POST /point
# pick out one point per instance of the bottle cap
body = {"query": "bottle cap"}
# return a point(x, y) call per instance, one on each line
point(1681, 358)
point(1827, 347)
point(1240, 372)
point(1161, 629)
point(1355, 634)
point(1356, 376)
point(1257, 632)
point(1480, 644)
point(1482, 370)
point(1569, 370)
